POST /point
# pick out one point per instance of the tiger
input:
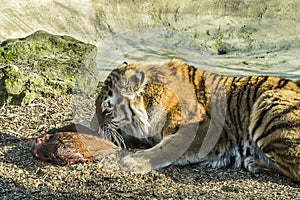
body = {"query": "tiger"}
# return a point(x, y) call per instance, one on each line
point(175, 113)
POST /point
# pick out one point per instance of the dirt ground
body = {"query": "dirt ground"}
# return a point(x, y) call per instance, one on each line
point(24, 177)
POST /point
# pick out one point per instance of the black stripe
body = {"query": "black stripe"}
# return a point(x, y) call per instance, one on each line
point(258, 86)
point(282, 125)
point(192, 71)
point(286, 111)
point(284, 143)
point(239, 102)
point(253, 89)
point(214, 76)
point(229, 100)
point(282, 83)
point(240, 149)
point(248, 137)
point(248, 152)
point(236, 114)
point(173, 72)
point(225, 80)
point(123, 109)
point(225, 133)
point(131, 110)
point(249, 107)
point(109, 93)
point(219, 97)
point(208, 116)
point(202, 87)
point(230, 95)
point(261, 118)
point(222, 105)
point(298, 83)
point(119, 101)
point(218, 84)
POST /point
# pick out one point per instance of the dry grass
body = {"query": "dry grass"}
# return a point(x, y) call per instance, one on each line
point(24, 177)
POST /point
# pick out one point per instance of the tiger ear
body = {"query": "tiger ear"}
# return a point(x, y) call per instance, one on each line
point(134, 86)
point(140, 78)
point(139, 81)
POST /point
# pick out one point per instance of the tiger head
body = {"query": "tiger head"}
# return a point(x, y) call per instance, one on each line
point(144, 103)
point(120, 108)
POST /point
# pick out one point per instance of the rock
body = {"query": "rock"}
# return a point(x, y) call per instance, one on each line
point(64, 148)
point(43, 64)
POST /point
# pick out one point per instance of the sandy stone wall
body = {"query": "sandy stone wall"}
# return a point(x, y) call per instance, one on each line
point(90, 21)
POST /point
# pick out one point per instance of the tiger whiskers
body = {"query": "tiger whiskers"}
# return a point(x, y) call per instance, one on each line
point(112, 135)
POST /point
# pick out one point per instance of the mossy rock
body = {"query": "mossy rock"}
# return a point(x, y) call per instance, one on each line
point(43, 64)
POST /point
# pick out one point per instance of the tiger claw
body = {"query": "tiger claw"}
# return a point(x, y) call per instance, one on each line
point(252, 165)
point(136, 163)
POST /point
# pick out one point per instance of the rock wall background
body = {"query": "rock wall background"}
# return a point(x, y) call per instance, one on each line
point(270, 21)
point(227, 36)
point(218, 26)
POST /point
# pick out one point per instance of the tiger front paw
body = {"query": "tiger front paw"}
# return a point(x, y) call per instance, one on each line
point(136, 163)
point(252, 165)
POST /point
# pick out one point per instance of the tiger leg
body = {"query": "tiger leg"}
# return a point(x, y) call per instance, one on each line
point(278, 155)
point(144, 161)
point(275, 134)
point(166, 152)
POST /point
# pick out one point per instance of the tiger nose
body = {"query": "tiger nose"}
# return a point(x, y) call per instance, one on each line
point(107, 104)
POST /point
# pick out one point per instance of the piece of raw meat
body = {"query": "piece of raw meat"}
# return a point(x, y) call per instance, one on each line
point(64, 148)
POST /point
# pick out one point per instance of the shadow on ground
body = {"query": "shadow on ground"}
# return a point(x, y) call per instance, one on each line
point(23, 176)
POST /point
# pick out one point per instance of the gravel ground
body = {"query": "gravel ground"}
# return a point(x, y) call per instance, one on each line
point(24, 177)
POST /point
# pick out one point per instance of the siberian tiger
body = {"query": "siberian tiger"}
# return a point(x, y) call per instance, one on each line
point(188, 115)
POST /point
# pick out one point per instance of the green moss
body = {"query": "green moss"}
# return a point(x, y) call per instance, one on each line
point(14, 86)
point(53, 65)
point(14, 82)
point(29, 97)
